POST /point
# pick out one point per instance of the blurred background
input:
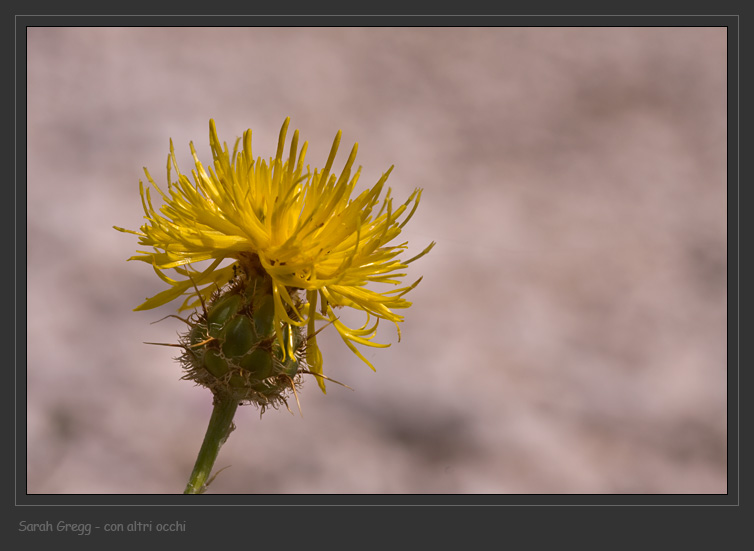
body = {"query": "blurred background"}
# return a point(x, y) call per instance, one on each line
point(569, 335)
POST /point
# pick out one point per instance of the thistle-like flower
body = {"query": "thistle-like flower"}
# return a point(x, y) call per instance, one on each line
point(301, 248)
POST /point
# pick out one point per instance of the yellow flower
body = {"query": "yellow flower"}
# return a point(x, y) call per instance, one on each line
point(321, 248)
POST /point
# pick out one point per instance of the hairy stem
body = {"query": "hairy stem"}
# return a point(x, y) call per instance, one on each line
point(220, 427)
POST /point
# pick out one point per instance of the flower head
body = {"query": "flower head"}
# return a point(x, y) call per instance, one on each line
point(321, 248)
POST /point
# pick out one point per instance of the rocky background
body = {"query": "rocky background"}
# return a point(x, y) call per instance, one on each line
point(569, 335)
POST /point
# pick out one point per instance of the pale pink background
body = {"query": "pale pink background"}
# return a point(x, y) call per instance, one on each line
point(570, 332)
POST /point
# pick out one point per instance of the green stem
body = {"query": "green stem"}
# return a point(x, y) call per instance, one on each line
point(220, 426)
